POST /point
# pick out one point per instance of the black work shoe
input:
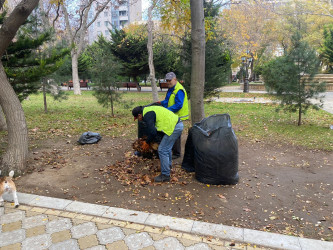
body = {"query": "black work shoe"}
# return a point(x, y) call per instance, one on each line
point(175, 157)
point(162, 178)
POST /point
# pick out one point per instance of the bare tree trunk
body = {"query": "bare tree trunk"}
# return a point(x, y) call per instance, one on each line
point(150, 52)
point(3, 123)
point(75, 73)
point(198, 60)
point(17, 152)
point(44, 95)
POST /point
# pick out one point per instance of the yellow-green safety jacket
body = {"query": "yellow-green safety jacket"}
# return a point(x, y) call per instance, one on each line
point(166, 120)
point(183, 112)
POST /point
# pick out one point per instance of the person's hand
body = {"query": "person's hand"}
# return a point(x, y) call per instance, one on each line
point(145, 146)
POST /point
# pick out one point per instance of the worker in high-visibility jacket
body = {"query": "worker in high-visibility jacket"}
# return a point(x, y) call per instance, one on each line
point(176, 101)
point(160, 119)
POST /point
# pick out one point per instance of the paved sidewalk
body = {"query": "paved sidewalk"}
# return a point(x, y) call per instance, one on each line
point(49, 223)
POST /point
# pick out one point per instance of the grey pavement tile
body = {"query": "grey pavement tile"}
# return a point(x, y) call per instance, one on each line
point(65, 245)
point(168, 243)
point(22, 197)
point(99, 247)
point(86, 208)
point(49, 202)
point(126, 215)
point(58, 225)
point(12, 217)
point(271, 240)
point(38, 242)
point(2, 210)
point(138, 241)
point(173, 223)
point(199, 246)
point(12, 237)
point(35, 221)
point(83, 229)
point(110, 235)
point(309, 244)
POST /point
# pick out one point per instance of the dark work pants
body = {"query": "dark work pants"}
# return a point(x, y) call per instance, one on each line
point(176, 149)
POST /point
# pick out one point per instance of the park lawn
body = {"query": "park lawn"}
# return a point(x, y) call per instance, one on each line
point(253, 122)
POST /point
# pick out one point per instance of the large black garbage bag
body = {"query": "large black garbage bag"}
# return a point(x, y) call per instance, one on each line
point(89, 138)
point(215, 151)
point(188, 160)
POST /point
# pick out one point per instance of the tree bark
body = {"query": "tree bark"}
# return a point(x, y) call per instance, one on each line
point(3, 123)
point(150, 52)
point(17, 151)
point(198, 60)
point(75, 73)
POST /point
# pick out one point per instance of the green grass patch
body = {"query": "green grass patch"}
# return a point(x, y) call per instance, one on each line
point(82, 113)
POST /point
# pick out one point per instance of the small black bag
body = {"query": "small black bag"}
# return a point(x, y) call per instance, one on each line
point(89, 138)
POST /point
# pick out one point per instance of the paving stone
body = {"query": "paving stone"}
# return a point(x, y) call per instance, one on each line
point(88, 241)
point(172, 222)
point(135, 226)
point(309, 244)
point(172, 233)
point(9, 238)
point(84, 217)
point(49, 202)
point(199, 246)
point(117, 245)
point(12, 217)
point(68, 214)
point(38, 242)
point(157, 237)
point(35, 221)
point(118, 223)
point(128, 231)
point(148, 248)
point(86, 208)
point(12, 226)
point(65, 245)
point(110, 235)
point(58, 225)
point(77, 221)
point(169, 243)
point(99, 247)
point(16, 246)
point(31, 213)
point(35, 231)
point(138, 241)
point(2, 211)
point(126, 215)
point(52, 212)
point(100, 220)
point(84, 229)
point(101, 226)
point(186, 242)
point(38, 210)
point(150, 229)
point(61, 236)
point(271, 239)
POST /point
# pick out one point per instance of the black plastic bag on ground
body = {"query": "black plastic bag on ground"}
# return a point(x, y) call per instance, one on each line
point(215, 150)
point(89, 138)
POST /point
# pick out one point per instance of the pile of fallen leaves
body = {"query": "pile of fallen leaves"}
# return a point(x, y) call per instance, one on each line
point(140, 171)
point(150, 152)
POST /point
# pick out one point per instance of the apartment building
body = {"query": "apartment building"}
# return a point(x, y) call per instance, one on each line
point(114, 17)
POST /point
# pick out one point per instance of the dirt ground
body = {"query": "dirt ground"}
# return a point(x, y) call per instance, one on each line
point(282, 188)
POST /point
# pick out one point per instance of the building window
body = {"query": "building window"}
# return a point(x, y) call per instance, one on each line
point(115, 23)
point(105, 13)
point(106, 33)
point(123, 13)
point(99, 33)
point(114, 13)
point(106, 23)
point(98, 24)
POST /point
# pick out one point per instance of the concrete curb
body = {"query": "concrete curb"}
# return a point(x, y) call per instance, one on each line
point(261, 238)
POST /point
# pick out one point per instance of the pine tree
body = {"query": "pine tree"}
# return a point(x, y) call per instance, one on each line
point(291, 75)
point(26, 63)
point(105, 71)
point(326, 51)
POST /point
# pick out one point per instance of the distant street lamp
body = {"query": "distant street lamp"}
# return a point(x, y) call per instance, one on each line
point(246, 78)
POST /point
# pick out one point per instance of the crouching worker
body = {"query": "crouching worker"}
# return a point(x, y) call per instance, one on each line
point(163, 120)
